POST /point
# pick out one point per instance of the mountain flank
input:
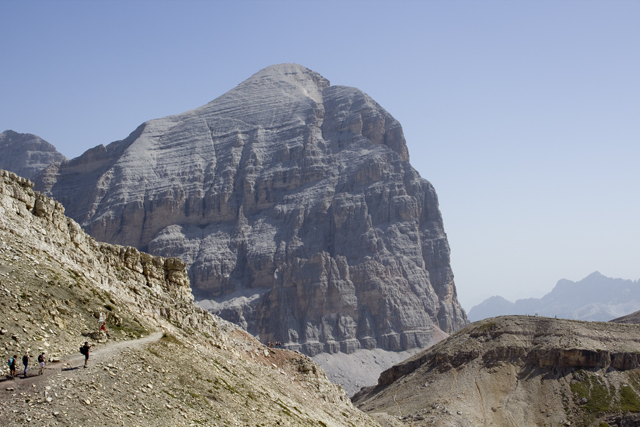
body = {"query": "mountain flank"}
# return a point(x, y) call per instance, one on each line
point(517, 370)
point(25, 154)
point(294, 206)
point(633, 318)
point(166, 361)
point(595, 298)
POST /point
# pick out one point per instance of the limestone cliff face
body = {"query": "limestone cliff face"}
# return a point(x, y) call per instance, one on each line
point(293, 204)
point(26, 154)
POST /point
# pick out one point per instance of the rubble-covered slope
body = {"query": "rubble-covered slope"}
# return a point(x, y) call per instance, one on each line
point(191, 368)
point(517, 371)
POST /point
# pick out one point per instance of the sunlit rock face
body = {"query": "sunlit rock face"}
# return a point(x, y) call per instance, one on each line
point(293, 204)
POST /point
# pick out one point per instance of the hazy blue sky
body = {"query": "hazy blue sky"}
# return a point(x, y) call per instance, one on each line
point(525, 115)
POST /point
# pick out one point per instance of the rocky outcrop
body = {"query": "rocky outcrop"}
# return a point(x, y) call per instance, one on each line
point(516, 370)
point(294, 206)
point(25, 154)
point(152, 284)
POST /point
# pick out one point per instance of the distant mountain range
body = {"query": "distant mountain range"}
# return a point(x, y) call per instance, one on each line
point(595, 298)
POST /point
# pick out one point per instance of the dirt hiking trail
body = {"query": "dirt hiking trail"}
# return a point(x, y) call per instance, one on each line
point(68, 364)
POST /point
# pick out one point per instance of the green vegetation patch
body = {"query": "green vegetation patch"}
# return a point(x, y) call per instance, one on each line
point(629, 400)
point(599, 396)
point(602, 398)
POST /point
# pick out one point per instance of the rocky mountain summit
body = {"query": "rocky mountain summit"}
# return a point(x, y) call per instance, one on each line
point(166, 361)
point(25, 154)
point(294, 206)
point(595, 298)
point(517, 371)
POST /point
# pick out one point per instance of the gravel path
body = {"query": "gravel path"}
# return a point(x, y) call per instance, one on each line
point(68, 364)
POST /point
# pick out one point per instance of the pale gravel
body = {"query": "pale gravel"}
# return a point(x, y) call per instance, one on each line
point(361, 368)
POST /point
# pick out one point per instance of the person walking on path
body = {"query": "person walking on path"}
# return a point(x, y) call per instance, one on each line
point(25, 362)
point(41, 362)
point(104, 329)
point(12, 366)
point(85, 350)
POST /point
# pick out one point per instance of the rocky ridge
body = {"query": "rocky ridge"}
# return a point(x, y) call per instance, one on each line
point(633, 318)
point(294, 206)
point(517, 370)
point(190, 368)
point(25, 154)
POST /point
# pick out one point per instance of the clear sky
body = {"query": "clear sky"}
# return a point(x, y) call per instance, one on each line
point(525, 115)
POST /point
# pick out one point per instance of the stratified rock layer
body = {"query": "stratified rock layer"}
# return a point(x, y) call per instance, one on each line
point(293, 204)
point(26, 154)
point(517, 370)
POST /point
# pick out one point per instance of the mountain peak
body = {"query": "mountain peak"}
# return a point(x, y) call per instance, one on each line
point(278, 93)
point(26, 154)
point(293, 204)
point(293, 72)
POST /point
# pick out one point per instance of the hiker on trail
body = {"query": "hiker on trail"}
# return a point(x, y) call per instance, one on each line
point(104, 329)
point(41, 362)
point(85, 350)
point(12, 366)
point(25, 362)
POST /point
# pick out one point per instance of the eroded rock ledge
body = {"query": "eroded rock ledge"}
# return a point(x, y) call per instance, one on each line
point(530, 342)
point(517, 370)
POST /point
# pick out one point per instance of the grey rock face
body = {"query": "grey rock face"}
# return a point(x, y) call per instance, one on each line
point(293, 204)
point(25, 154)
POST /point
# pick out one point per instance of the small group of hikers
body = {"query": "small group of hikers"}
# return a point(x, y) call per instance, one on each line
point(275, 344)
point(12, 362)
point(84, 350)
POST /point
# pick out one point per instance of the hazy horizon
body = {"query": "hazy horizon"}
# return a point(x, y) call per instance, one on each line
point(523, 115)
